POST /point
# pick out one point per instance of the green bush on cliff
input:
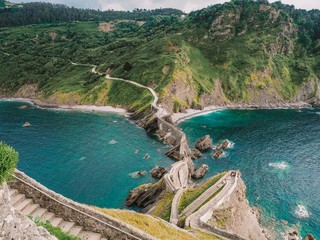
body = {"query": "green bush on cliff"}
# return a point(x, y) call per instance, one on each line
point(8, 161)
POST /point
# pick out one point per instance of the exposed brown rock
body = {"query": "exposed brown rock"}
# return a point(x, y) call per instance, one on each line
point(195, 154)
point(145, 195)
point(309, 237)
point(204, 143)
point(200, 171)
point(217, 154)
point(158, 172)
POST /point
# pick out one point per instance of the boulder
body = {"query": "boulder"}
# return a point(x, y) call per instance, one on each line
point(309, 237)
point(195, 154)
point(223, 145)
point(217, 154)
point(204, 143)
point(200, 171)
point(27, 124)
point(293, 236)
point(158, 172)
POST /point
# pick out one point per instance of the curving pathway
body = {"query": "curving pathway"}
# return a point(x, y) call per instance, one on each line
point(161, 112)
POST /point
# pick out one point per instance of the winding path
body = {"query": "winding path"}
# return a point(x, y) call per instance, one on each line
point(161, 112)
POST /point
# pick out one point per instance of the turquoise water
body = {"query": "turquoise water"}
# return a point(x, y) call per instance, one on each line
point(69, 152)
point(278, 154)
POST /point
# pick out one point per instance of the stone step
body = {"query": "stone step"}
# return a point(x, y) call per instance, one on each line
point(17, 198)
point(75, 230)
point(48, 216)
point(39, 212)
point(20, 206)
point(12, 192)
point(89, 235)
point(30, 209)
point(55, 221)
point(66, 226)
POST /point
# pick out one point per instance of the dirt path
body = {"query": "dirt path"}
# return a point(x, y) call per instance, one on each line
point(161, 112)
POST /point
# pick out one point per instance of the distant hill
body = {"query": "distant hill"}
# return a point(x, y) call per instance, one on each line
point(243, 51)
point(37, 12)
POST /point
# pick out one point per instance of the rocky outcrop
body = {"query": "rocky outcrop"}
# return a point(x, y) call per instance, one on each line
point(309, 237)
point(145, 195)
point(204, 143)
point(236, 215)
point(14, 225)
point(293, 236)
point(200, 171)
point(217, 154)
point(158, 172)
point(195, 154)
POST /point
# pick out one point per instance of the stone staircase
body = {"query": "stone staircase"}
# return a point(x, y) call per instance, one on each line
point(28, 208)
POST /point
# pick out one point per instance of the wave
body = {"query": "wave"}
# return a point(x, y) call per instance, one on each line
point(302, 212)
point(112, 142)
point(279, 165)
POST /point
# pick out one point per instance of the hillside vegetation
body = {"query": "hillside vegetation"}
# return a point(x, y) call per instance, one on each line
point(241, 51)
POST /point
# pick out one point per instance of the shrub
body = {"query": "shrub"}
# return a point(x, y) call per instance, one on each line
point(8, 161)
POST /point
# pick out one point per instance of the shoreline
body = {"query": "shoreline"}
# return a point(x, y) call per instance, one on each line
point(180, 117)
point(82, 108)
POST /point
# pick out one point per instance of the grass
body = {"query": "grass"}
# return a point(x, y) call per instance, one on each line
point(57, 232)
point(154, 227)
point(210, 198)
point(8, 161)
point(163, 207)
point(192, 194)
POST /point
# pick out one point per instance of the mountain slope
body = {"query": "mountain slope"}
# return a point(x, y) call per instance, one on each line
point(243, 51)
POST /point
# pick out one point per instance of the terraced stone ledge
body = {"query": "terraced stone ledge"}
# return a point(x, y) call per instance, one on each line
point(82, 215)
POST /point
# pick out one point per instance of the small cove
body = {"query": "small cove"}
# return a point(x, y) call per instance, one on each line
point(82, 155)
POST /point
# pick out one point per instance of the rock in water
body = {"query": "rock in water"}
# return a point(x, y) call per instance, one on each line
point(158, 172)
point(309, 237)
point(200, 171)
point(27, 124)
point(204, 143)
point(293, 236)
point(23, 107)
point(217, 154)
point(195, 154)
point(223, 145)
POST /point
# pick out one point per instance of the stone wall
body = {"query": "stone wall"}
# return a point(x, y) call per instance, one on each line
point(82, 215)
point(16, 226)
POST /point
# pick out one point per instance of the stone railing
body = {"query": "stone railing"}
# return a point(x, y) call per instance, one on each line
point(80, 214)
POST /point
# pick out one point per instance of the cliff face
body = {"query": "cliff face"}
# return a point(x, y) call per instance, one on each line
point(237, 216)
point(16, 226)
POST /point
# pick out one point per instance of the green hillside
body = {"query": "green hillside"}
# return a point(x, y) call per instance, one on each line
point(241, 51)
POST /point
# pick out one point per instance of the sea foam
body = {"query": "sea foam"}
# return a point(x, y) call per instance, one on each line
point(302, 212)
point(279, 165)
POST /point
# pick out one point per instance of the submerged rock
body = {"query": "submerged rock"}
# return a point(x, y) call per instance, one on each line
point(204, 143)
point(195, 154)
point(158, 172)
point(27, 124)
point(200, 171)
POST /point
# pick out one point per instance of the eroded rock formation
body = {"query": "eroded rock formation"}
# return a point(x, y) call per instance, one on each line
point(204, 143)
point(158, 172)
point(200, 171)
point(195, 154)
point(145, 195)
